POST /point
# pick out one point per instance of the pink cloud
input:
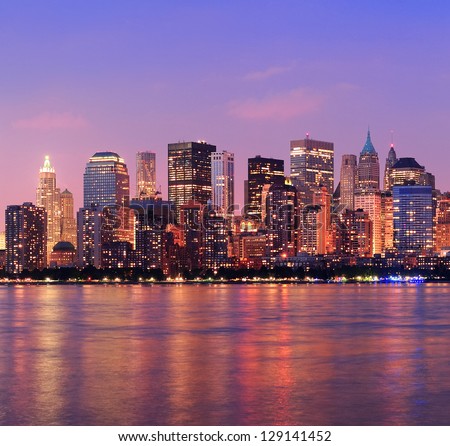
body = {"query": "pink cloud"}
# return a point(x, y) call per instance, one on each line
point(266, 74)
point(51, 121)
point(300, 101)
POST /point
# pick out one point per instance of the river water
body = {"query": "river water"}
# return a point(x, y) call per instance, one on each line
point(324, 354)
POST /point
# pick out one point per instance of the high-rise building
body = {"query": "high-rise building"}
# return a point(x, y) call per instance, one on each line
point(368, 167)
point(215, 241)
point(282, 220)
point(322, 199)
point(312, 164)
point(407, 170)
point(354, 234)
point(191, 220)
point(387, 222)
point(369, 200)
point(390, 162)
point(443, 222)
point(261, 171)
point(413, 219)
point(189, 170)
point(26, 238)
point(106, 181)
point(106, 216)
point(348, 181)
point(222, 178)
point(68, 222)
point(145, 175)
point(48, 197)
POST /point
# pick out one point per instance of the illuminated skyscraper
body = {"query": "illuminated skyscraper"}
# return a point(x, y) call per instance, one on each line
point(189, 170)
point(26, 238)
point(443, 222)
point(354, 234)
point(48, 197)
point(413, 219)
point(406, 170)
point(106, 216)
point(145, 175)
point(312, 164)
point(261, 171)
point(369, 200)
point(390, 162)
point(222, 177)
point(106, 181)
point(368, 167)
point(349, 174)
point(68, 223)
point(282, 220)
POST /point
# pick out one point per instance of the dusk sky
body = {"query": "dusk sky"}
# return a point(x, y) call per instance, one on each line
point(78, 77)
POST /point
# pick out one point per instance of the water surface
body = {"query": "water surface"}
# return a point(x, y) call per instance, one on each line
point(225, 354)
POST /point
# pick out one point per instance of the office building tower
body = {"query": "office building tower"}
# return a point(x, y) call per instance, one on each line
point(48, 197)
point(282, 220)
point(322, 199)
point(354, 234)
point(443, 222)
point(106, 207)
point(312, 164)
point(191, 220)
point(413, 219)
point(90, 236)
point(261, 171)
point(222, 178)
point(406, 170)
point(106, 181)
point(68, 222)
point(390, 162)
point(368, 167)
point(2, 241)
point(26, 238)
point(146, 175)
point(369, 200)
point(189, 170)
point(215, 239)
point(347, 183)
point(387, 221)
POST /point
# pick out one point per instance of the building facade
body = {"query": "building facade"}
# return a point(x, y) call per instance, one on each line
point(26, 238)
point(368, 167)
point(189, 173)
point(413, 219)
point(349, 172)
point(312, 163)
point(145, 175)
point(48, 197)
point(261, 171)
point(222, 178)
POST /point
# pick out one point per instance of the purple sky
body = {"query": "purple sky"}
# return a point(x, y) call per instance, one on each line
point(78, 77)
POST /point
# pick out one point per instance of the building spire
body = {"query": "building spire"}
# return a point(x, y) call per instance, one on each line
point(368, 148)
point(47, 166)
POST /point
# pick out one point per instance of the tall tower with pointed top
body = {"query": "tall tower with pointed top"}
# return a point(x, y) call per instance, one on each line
point(390, 161)
point(48, 197)
point(368, 167)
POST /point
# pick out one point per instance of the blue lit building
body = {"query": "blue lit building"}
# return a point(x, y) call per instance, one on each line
point(413, 219)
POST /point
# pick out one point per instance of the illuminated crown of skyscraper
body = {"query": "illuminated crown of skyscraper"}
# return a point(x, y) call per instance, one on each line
point(368, 148)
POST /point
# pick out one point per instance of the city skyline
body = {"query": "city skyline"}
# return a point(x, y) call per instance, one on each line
point(71, 91)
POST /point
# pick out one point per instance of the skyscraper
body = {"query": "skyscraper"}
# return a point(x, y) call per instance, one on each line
point(369, 200)
point(406, 170)
point(390, 162)
point(48, 197)
point(261, 171)
point(349, 173)
point(26, 237)
point(106, 181)
point(222, 177)
point(68, 223)
point(189, 170)
point(413, 219)
point(106, 216)
point(145, 175)
point(312, 163)
point(368, 167)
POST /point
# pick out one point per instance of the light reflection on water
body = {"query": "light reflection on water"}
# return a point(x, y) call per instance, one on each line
point(225, 355)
